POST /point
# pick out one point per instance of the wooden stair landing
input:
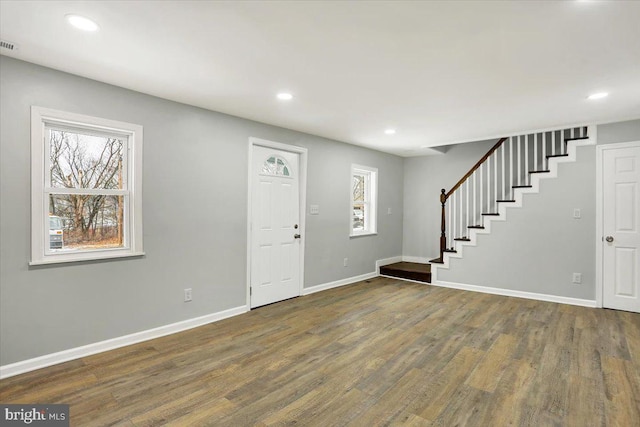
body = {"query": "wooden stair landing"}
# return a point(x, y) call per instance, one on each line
point(408, 270)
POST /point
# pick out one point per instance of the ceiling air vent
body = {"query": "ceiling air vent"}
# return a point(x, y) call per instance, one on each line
point(7, 45)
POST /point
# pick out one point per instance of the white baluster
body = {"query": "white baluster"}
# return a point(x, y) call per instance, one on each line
point(454, 219)
point(468, 206)
point(495, 179)
point(553, 142)
point(518, 157)
point(449, 226)
point(461, 215)
point(526, 159)
point(535, 152)
point(474, 196)
point(479, 211)
point(544, 149)
point(511, 182)
point(504, 177)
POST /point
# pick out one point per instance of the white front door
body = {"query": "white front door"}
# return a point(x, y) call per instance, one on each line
point(275, 226)
point(621, 227)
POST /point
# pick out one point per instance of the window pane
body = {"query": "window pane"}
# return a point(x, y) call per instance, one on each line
point(275, 166)
point(358, 202)
point(358, 217)
point(83, 222)
point(358, 188)
point(79, 160)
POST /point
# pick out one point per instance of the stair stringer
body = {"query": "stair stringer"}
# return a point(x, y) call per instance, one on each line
point(518, 197)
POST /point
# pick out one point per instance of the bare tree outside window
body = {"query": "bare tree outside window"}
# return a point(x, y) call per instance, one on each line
point(358, 202)
point(83, 168)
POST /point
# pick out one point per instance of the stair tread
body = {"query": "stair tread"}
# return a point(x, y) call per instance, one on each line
point(480, 227)
point(462, 239)
point(491, 214)
point(550, 156)
point(577, 138)
point(408, 270)
point(541, 171)
point(450, 251)
point(408, 266)
point(505, 201)
point(522, 186)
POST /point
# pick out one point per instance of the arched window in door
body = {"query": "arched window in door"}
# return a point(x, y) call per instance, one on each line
point(276, 165)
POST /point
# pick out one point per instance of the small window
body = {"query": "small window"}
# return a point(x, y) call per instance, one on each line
point(86, 188)
point(364, 192)
point(275, 165)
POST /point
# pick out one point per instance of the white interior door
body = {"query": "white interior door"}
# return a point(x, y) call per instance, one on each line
point(275, 232)
point(621, 226)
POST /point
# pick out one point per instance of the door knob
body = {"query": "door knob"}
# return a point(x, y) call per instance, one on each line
point(296, 236)
point(609, 239)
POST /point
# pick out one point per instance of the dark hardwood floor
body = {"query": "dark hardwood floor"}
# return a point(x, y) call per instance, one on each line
point(380, 352)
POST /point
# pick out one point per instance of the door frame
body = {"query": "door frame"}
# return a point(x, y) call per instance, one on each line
point(600, 149)
point(302, 188)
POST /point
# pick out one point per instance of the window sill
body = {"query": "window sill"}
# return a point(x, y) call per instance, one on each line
point(93, 257)
point(373, 233)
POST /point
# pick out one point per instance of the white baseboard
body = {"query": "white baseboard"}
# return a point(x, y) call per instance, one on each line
point(28, 365)
point(517, 294)
point(420, 260)
point(404, 279)
point(338, 283)
point(387, 261)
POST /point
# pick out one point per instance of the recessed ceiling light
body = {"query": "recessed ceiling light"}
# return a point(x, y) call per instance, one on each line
point(598, 95)
point(285, 96)
point(82, 23)
point(390, 131)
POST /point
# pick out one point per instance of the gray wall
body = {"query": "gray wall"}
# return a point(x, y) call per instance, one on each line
point(195, 216)
point(540, 245)
point(424, 177)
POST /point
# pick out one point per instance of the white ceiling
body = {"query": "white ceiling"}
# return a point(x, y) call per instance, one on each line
point(438, 72)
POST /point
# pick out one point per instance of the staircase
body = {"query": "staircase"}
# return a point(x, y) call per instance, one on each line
point(514, 166)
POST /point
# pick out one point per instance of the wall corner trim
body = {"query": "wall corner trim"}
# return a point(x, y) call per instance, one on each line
point(29, 365)
point(517, 294)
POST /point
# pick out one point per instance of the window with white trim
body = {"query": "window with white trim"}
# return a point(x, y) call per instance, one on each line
point(364, 194)
point(86, 187)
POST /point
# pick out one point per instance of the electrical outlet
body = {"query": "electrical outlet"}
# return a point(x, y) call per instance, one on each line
point(388, 211)
point(187, 295)
point(346, 262)
point(577, 278)
point(577, 214)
